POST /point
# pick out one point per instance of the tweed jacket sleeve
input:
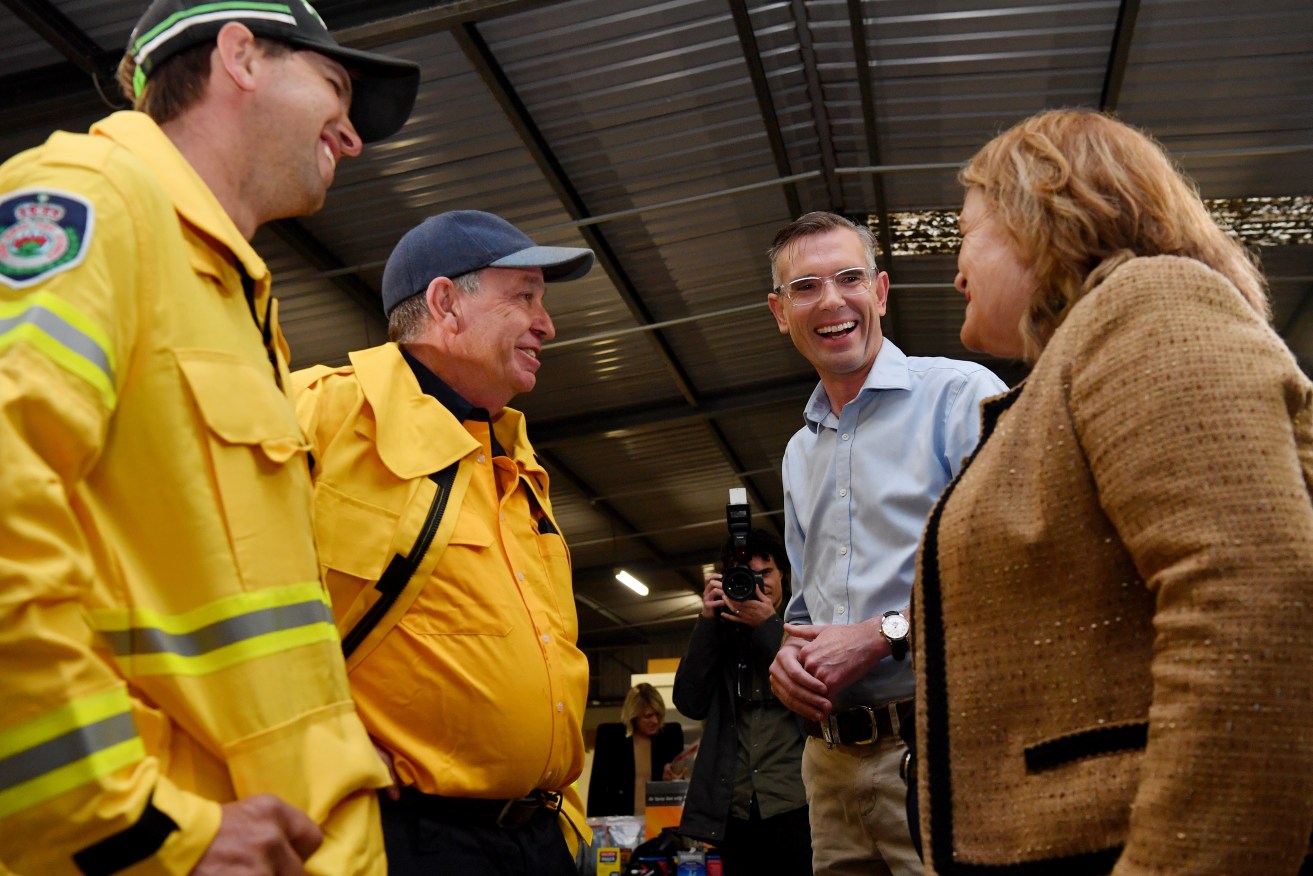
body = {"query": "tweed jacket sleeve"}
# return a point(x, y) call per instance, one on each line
point(1196, 424)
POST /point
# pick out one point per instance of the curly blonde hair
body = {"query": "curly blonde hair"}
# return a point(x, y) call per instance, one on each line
point(1080, 192)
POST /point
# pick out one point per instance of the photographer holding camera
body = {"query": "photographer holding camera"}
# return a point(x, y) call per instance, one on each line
point(746, 795)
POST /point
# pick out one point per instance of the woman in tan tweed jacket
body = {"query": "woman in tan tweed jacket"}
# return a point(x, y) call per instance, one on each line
point(1112, 622)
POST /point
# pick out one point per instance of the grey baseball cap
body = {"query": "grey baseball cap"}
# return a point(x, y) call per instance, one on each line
point(455, 243)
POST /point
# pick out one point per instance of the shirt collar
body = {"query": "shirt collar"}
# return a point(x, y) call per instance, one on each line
point(888, 371)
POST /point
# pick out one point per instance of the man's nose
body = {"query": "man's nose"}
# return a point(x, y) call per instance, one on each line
point(827, 284)
point(542, 324)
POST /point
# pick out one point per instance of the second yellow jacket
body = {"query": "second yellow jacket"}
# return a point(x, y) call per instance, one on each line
point(476, 686)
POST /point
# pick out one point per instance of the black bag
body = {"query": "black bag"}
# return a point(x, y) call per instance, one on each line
point(664, 845)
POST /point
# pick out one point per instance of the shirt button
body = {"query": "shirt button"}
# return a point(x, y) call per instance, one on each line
point(483, 458)
point(560, 707)
point(839, 610)
point(546, 638)
point(846, 436)
point(843, 493)
point(843, 551)
point(519, 575)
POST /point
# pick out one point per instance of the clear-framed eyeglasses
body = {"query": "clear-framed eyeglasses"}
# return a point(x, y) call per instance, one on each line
point(851, 282)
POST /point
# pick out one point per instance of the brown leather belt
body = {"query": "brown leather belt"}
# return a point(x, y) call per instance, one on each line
point(862, 725)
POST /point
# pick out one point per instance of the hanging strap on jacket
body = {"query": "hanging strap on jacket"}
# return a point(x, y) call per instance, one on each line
point(401, 570)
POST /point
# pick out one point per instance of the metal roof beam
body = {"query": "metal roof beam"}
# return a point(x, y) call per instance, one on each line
point(812, 75)
point(632, 532)
point(368, 24)
point(857, 21)
point(649, 417)
point(321, 258)
point(68, 39)
point(1119, 54)
point(485, 64)
point(765, 103)
point(754, 494)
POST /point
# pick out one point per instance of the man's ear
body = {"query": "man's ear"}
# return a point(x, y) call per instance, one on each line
point(882, 291)
point(443, 300)
point(236, 54)
point(776, 305)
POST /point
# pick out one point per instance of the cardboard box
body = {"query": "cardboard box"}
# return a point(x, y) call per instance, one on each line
point(665, 805)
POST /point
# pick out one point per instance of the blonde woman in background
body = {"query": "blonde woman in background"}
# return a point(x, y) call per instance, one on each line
point(631, 753)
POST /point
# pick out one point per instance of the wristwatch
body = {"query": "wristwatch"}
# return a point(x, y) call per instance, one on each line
point(894, 627)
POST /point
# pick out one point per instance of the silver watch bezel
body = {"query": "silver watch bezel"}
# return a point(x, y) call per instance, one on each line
point(895, 619)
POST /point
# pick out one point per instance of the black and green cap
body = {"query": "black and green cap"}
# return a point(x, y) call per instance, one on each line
point(383, 88)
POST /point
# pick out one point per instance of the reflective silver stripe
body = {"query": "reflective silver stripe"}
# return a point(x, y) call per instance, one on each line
point(54, 325)
point(152, 640)
point(73, 746)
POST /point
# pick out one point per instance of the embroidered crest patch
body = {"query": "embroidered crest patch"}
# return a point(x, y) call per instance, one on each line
point(42, 232)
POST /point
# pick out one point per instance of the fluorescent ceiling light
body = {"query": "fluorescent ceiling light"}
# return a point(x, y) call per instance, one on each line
point(631, 582)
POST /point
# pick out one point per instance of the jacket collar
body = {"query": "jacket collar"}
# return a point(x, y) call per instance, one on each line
point(192, 198)
point(414, 434)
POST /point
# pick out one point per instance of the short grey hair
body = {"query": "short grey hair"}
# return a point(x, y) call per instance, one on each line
point(411, 315)
point(811, 224)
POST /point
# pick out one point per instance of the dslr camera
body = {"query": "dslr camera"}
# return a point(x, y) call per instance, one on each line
point(737, 579)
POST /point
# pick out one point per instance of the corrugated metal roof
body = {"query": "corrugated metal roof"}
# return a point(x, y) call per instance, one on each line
point(676, 137)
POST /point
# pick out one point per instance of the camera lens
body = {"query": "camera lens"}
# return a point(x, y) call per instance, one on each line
point(740, 583)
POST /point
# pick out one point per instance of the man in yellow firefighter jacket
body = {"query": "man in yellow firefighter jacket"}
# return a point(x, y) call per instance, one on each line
point(448, 574)
point(174, 694)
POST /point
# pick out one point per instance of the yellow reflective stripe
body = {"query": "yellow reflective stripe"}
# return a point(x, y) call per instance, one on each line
point(66, 748)
point(66, 336)
point(74, 775)
point(222, 609)
point(219, 634)
point(203, 664)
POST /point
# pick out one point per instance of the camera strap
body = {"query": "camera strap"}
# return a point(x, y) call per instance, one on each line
point(401, 569)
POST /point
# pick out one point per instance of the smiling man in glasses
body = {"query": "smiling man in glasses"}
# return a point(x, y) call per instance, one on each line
point(884, 433)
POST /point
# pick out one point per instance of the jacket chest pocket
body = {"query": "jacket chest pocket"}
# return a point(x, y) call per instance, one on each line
point(355, 546)
point(258, 469)
point(470, 594)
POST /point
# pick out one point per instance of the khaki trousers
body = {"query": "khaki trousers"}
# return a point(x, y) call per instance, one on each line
point(858, 809)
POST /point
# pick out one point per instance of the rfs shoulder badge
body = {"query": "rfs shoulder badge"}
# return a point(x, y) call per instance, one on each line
point(42, 232)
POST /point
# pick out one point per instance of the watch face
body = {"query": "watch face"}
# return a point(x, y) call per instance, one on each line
point(895, 626)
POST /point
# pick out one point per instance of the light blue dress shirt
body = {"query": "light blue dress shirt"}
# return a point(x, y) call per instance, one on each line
point(859, 486)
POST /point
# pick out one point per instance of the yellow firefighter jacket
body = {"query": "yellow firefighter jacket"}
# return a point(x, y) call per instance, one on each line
point(473, 679)
point(165, 642)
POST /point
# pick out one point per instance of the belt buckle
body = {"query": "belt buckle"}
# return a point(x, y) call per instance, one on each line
point(875, 728)
point(519, 812)
point(831, 733)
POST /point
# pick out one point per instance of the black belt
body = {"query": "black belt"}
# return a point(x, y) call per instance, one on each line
point(472, 810)
point(862, 725)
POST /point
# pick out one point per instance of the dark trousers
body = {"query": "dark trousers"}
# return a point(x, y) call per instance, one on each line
point(781, 846)
point(420, 844)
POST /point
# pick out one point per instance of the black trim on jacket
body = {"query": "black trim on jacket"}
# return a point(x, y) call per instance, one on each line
point(129, 846)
